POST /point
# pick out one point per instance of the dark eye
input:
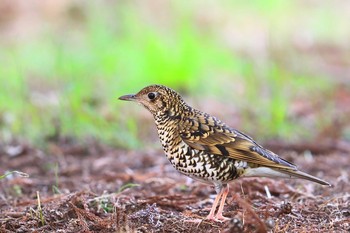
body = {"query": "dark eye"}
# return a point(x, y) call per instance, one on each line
point(151, 95)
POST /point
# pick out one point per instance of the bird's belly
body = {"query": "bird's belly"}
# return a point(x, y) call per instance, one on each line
point(205, 167)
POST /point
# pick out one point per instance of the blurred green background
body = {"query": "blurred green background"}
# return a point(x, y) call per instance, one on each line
point(274, 69)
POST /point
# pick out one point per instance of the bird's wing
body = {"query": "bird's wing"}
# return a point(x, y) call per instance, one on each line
point(204, 132)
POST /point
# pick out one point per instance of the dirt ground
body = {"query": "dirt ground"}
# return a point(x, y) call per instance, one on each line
point(76, 187)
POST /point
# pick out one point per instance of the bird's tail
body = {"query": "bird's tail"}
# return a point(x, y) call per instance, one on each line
point(281, 173)
point(305, 176)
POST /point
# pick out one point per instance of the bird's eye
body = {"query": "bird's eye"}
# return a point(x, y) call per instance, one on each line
point(151, 95)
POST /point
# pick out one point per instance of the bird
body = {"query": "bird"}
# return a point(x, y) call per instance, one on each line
point(206, 149)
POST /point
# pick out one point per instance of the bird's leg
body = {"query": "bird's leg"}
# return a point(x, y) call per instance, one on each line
point(222, 203)
point(219, 191)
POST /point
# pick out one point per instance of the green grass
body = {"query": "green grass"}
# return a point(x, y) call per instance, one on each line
point(69, 80)
point(12, 173)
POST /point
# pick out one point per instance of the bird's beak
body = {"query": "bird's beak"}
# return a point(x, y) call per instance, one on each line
point(128, 97)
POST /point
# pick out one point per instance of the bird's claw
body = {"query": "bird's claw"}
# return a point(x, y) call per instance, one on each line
point(217, 218)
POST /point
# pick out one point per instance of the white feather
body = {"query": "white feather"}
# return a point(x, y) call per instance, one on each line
point(266, 172)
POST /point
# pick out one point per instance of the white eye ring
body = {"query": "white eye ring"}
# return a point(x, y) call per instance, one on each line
point(151, 95)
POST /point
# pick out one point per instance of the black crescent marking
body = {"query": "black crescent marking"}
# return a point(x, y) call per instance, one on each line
point(223, 150)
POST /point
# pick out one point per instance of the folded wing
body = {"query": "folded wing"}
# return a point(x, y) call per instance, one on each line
point(204, 132)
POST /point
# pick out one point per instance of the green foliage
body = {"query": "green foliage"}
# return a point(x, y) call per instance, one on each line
point(68, 83)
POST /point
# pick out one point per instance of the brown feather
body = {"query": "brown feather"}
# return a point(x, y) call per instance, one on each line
point(204, 132)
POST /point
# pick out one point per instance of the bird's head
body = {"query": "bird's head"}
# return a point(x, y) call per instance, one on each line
point(158, 100)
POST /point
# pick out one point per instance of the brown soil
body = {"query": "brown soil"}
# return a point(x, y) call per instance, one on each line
point(95, 188)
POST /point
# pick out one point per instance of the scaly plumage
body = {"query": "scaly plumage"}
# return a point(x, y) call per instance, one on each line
point(206, 149)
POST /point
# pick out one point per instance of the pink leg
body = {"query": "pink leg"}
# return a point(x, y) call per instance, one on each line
point(222, 203)
point(216, 201)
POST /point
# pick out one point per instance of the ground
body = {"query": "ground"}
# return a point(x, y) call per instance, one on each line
point(91, 187)
point(278, 69)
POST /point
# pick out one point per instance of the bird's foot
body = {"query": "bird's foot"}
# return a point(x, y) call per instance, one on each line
point(217, 218)
point(221, 218)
